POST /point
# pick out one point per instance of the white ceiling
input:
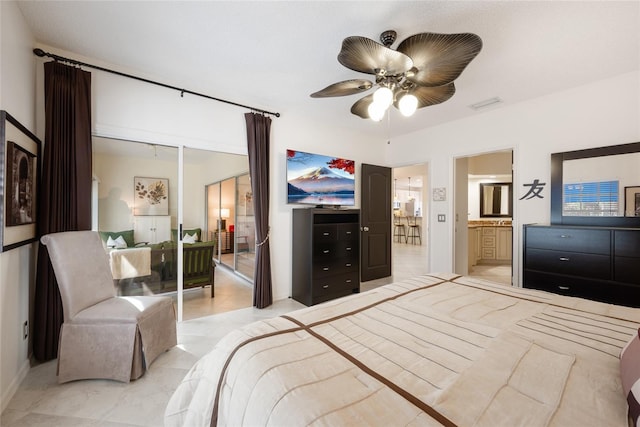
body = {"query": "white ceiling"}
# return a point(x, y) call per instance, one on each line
point(273, 54)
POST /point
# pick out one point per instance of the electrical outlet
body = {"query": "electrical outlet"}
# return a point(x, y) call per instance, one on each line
point(441, 218)
point(25, 330)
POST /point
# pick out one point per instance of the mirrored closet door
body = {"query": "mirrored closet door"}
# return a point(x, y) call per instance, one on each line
point(135, 210)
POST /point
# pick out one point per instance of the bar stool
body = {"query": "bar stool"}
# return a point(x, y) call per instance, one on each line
point(399, 229)
point(414, 230)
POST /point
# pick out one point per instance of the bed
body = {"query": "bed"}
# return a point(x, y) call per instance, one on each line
point(430, 351)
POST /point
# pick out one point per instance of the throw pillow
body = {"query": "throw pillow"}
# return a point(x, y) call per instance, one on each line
point(117, 243)
point(127, 235)
point(120, 243)
point(188, 238)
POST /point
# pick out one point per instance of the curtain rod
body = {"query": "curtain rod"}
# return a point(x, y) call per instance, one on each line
point(41, 53)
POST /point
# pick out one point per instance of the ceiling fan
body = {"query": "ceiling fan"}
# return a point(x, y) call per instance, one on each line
point(419, 73)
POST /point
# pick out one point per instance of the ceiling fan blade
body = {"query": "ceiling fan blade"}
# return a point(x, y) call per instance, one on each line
point(361, 106)
point(439, 59)
point(431, 95)
point(368, 56)
point(347, 87)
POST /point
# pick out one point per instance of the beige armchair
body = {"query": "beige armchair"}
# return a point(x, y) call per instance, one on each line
point(103, 336)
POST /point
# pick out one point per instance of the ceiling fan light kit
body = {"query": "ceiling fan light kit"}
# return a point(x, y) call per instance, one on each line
point(418, 74)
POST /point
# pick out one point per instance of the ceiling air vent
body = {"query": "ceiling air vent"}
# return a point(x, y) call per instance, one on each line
point(486, 103)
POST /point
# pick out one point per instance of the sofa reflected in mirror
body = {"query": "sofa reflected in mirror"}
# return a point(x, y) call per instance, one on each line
point(149, 269)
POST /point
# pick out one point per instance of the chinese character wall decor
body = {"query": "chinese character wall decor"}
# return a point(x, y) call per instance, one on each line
point(535, 188)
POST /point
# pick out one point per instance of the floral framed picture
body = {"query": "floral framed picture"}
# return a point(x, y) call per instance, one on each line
point(150, 196)
point(19, 176)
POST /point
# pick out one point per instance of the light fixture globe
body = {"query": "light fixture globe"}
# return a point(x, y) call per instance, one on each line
point(383, 96)
point(425, 64)
point(376, 111)
point(408, 105)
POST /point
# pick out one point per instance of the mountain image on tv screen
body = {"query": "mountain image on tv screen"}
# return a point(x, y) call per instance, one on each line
point(320, 180)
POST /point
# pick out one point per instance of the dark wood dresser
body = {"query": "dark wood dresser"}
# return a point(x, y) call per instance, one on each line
point(598, 263)
point(326, 254)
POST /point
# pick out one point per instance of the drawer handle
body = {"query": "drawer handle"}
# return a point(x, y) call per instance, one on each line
point(348, 281)
point(565, 236)
point(326, 251)
point(325, 286)
point(348, 249)
point(563, 288)
point(325, 233)
point(348, 264)
point(348, 232)
point(326, 268)
point(564, 258)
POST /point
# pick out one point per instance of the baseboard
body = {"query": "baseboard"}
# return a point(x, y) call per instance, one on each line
point(13, 387)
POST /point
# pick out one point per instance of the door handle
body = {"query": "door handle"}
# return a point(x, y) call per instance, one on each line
point(365, 228)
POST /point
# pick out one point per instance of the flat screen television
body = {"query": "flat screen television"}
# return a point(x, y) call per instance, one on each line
point(315, 179)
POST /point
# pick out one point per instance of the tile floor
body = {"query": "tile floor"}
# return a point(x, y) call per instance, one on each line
point(41, 401)
point(498, 273)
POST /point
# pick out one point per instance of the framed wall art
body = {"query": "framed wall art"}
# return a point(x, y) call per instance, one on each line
point(632, 201)
point(150, 196)
point(19, 177)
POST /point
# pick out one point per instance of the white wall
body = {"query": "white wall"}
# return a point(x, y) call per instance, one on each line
point(115, 191)
point(599, 114)
point(17, 267)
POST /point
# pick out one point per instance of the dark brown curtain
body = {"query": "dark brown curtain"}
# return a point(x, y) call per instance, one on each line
point(64, 202)
point(258, 131)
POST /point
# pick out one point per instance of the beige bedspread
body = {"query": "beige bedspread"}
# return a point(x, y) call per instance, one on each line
point(434, 350)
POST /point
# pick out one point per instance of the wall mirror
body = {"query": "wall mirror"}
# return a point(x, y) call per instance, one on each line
point(495, 199)
point(597, 186)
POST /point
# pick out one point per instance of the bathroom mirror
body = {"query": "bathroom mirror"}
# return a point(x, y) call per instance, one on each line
point(596, 186)
point(495, 199)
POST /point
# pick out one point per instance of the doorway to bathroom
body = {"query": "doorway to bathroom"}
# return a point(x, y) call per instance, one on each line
point(483, 216)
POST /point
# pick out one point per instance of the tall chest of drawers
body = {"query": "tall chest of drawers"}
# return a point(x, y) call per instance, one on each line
point(326, 254)
point(597, 263)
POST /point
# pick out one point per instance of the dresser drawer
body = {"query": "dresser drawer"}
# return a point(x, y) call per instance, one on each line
point(341, 249)
point(604, 291)
point(627, 243)
point(563, 262)
point(569, 239)
point(343, 283)
point(334, 266)
point(563, 285)
point(325, 233)
point(627, 270)
point(348, 231)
